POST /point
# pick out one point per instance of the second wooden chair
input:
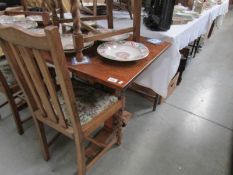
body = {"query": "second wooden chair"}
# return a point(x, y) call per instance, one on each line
point(12, 91)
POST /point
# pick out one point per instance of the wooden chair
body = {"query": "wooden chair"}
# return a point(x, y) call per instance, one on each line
point(58, 109)
point(12, 92)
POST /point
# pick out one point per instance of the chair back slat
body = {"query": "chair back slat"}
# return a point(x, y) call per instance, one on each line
point(50, 85)
point(17, 59)
point(62, 72)
point(37, 81)
point(26, 55)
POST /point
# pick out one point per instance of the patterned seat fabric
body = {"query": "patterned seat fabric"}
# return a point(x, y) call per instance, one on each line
point(6, 71)
point(89, 100)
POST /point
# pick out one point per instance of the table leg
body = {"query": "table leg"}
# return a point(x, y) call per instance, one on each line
point(211, 29)
point(193, 47)
point(157, 97)
point(196, 47)
point(147, 93)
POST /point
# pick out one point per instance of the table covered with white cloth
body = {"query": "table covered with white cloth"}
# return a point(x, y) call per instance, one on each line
point(159, 74)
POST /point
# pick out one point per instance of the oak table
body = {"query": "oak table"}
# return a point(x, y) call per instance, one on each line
point(115, 75)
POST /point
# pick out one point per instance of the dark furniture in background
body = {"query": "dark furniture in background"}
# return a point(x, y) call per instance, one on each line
point(159, 15)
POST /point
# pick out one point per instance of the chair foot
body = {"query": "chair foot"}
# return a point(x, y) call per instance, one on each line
point(42, 139)
point(18, 122)
point(46, 158)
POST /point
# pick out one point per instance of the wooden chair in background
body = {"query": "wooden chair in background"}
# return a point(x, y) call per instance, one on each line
point(13, 93)
point(58, 109)
point(124, 5)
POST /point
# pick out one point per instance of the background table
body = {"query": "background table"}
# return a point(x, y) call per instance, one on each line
point(159, 74)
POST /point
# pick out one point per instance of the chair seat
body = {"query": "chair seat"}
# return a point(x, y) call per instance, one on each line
point(6, 71)
point(89, 100)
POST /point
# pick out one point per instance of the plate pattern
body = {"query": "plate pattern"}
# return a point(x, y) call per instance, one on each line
point(123, 50)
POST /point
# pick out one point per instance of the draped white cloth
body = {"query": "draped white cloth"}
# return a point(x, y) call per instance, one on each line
point(158, 75)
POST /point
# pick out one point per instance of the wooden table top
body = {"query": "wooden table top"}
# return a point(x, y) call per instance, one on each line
point(101, 69)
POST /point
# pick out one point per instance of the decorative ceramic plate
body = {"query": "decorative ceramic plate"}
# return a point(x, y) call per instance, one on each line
point(123, 50)
point(113, 38)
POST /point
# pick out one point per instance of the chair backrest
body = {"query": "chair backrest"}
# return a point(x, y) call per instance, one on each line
point(27, 55)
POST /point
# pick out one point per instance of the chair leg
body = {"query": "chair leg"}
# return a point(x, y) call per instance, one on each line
point(16, 116)
point(42, 139)
point(196, 47)
point(180, 78)
point(129, 9)
point(193, 47)
point(81, 160)
point(211, 29)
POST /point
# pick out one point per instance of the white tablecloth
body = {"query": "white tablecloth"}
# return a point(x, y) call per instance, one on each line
point(160, 73)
